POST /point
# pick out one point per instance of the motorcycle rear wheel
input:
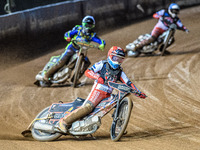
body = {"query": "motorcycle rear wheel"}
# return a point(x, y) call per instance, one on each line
point(40, 135)
point(118, 127)
point(77, 70)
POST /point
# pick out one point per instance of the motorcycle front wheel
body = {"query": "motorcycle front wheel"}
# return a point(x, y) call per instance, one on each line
point(166, 42)
point(119, 125)
point(40, 135)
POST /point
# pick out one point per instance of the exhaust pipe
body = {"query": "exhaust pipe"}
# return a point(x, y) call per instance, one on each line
point(44, 127)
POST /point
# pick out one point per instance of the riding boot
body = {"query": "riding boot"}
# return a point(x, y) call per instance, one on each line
point(144, 42)
point(65, 123)
point(77, 114)
point(61, 62)
point(52, 69)
point(62, 126)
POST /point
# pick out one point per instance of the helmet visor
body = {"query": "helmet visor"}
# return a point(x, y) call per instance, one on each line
point(118, 59)
point(175, 11)
point(88, 25)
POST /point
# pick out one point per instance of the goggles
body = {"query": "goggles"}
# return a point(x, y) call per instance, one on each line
point(175, 11)
point(118, 59)
point(88, 26)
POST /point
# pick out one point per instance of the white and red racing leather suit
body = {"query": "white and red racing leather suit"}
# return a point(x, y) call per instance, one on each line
point(103, 70)
point(164, 21)
point(100, 90)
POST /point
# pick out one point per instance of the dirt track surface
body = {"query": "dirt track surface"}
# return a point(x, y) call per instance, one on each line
point(168, 119)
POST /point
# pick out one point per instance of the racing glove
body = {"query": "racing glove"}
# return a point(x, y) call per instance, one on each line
point(138, 94)
point(142, 95)
point(187, 31)
point(68, 39)
point(101, 47)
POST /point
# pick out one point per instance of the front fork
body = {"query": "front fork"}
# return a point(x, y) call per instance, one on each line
point(115, 113)
point(168, 36)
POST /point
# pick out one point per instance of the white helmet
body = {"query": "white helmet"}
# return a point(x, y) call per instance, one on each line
point(173, 9)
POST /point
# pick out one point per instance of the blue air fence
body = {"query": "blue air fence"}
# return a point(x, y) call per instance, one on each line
point(41, 28)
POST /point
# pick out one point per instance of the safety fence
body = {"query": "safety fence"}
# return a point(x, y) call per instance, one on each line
point(45, 26)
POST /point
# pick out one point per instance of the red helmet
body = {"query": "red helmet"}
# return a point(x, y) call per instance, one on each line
point(115, 56)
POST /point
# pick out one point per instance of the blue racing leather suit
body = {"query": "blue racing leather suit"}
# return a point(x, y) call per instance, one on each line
point(75, 33)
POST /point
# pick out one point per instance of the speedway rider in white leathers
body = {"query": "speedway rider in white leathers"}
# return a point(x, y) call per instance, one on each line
point(166, 18)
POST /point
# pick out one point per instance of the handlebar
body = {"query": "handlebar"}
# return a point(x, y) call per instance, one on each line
point(84, 44)
point(122, 87)
point(173, 26)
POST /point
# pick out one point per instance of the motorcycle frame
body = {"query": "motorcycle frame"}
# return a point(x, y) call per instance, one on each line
point(100, 110)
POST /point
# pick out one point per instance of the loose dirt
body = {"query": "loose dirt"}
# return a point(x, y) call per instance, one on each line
point(167, 120)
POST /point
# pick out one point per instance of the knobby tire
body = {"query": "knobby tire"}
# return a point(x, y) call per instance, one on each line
point(126, 102)
point(43, 136)
point(166, 44)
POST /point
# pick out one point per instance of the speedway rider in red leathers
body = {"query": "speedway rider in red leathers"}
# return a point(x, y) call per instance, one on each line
point(166, 18)
point(102, 72)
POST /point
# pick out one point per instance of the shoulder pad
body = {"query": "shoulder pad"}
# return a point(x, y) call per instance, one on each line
point(93, 34)
point(77, 27)
point(104, 61)
point(177, 18)
point(166, 14)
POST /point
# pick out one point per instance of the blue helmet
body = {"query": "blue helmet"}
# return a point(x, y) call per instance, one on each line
point(115, 57)
point(173, 9)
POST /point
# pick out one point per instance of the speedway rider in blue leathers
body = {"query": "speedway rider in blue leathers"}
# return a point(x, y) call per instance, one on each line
point(166, 18)
point(82, 32)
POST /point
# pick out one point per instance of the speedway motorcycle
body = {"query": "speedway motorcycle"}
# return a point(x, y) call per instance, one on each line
point(43, 127)
point(161, 44)
point(74, 69)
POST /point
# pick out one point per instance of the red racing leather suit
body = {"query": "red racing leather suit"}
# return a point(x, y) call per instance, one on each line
point(100, 91)
point(102, 73)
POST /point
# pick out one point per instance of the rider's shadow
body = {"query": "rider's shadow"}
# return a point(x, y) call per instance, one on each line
point(60, 86)
point(197, 50)
point(156, 133)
